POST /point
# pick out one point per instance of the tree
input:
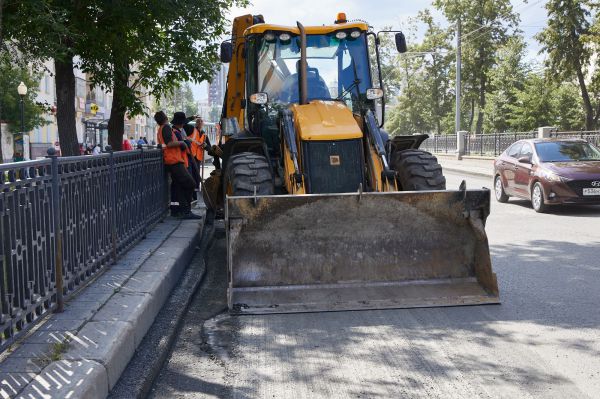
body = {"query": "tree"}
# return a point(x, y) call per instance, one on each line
point(486, 24)
point(11, 76)
point(147, 44)
point(506, 79)
point(57, 29)
point(533, 106)
point(424, 89)
point(437, 69)
point(564, 40)
point(123, 45)
point(180, 99)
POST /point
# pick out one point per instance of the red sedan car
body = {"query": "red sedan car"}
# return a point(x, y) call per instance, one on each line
point(549, 172)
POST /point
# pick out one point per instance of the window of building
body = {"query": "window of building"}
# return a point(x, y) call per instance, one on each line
point(80, 88)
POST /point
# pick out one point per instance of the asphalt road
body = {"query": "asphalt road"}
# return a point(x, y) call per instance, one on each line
point(542, 342)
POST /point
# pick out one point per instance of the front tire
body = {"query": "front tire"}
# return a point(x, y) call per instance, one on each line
point(499, 190)
point(417, 170)
point(248, 174)
point(537, 198)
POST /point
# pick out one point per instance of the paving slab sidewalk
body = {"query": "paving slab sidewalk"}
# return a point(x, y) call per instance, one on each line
point(81, 352)
point(483, 167)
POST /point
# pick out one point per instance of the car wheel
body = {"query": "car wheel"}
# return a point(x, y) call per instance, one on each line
point(537, 198)
point(499, 190)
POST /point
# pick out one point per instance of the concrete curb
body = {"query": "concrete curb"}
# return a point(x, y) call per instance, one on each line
point(468, 172)
point(453, 156)
point(97, 354)
point(144, 367)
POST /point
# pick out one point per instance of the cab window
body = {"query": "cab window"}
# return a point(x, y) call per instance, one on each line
point(514, 150)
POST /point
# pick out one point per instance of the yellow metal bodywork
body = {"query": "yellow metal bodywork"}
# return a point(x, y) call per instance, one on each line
point(236, 77)
point(310, 30)
point(325, 120)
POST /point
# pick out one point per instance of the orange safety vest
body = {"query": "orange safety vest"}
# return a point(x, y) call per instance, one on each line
point(171, 155)
point(197, 150)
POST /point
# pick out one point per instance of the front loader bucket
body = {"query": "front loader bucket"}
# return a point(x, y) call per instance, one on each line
point(330, 252)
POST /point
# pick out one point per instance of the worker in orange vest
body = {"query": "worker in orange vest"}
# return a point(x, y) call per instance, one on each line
point(176, 161)
point(199, 140)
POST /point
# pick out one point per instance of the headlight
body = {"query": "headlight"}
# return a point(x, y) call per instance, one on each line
point(284, 37)
point(552, 176)
point(341, 35)
point(355, 34)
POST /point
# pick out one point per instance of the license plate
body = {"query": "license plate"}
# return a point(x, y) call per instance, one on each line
point(591, 191)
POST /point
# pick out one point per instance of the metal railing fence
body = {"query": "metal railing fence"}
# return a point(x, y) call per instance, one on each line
point(494, 144)
point(590, 136)
point(63, 219)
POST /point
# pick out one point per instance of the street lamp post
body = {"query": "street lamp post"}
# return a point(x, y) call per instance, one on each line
point(19, 144)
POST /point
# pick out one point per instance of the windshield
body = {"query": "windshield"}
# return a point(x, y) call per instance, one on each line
point(567, 151)
point(337, 69)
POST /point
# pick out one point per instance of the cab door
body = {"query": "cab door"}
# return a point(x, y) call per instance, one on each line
point(523, 170)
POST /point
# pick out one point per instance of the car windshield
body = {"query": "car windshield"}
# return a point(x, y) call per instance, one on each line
point(567, 152)
point(337, 68)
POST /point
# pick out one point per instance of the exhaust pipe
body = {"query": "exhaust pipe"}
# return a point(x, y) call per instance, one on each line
point(302, 78)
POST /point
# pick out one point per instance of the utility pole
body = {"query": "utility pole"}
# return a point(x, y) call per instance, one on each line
point(459, 141)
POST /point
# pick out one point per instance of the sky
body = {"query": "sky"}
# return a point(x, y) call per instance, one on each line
point(378, 13)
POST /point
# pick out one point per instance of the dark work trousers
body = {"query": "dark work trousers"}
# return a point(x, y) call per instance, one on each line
point(182, 186)
point(195, 172)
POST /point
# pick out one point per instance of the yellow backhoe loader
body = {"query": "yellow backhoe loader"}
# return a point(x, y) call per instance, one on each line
point(323, 210)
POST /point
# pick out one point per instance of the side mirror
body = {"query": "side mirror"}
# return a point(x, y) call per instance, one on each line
point(525, 159)
point(401, 43)
point(226, 53)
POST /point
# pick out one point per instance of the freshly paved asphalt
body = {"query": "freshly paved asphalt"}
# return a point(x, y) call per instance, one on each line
point(543, 341)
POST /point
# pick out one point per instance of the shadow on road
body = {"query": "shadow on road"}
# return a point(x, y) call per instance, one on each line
point(562, 210)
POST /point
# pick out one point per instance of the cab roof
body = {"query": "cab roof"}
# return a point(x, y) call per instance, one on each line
point(310, 30)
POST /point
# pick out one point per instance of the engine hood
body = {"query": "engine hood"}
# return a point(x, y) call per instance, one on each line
point(325, 121)
point(584, 170)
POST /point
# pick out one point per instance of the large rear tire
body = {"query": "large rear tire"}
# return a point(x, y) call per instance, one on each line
point(417, 170)
point(248, 173)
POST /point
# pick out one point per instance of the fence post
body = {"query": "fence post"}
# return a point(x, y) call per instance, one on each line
point(460, 144)
point(495, 143)
point(143, 216)
point(113, 201)
point(58, 237)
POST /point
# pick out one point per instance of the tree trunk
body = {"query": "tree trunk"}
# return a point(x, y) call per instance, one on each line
point(116, 123)
point(472, 116)
point(590, 121)
point(65, 107)
point(481, 107)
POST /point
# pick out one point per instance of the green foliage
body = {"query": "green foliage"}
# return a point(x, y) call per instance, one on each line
point(566, 40)
point(506, 79)
point(10, 102)
point(125, 46)
point(155, 44)
point(180, 98)
point(487, 26)
point(542, 102)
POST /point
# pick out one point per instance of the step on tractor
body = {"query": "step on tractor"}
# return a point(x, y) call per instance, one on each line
point(324, 211)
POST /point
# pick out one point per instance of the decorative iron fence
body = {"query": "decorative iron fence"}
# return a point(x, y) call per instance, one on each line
point(494, 144)
point(590, 136)
point(63, 219)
